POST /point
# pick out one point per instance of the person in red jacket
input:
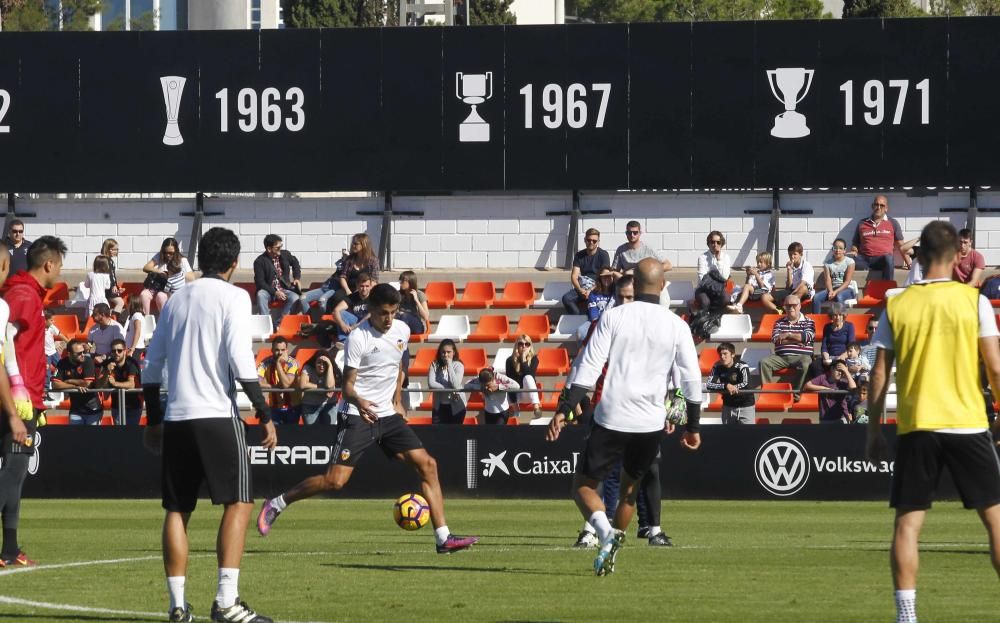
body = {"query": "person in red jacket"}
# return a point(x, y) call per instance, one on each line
point(23, 293)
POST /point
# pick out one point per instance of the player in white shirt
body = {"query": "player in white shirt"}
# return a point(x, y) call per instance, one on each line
point(643, 346)
point(203, 344)
point(371, 413)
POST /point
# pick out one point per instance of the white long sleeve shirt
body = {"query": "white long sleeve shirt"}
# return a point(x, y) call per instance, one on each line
point(644, 345)
point(708, 262)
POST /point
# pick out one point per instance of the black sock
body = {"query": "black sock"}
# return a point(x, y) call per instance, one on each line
point(10, 547)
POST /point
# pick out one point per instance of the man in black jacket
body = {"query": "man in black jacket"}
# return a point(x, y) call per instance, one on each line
point(276, 274)
point(728, 377)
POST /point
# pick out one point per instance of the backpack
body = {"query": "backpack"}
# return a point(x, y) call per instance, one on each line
point(704, 322)
point(991, 288)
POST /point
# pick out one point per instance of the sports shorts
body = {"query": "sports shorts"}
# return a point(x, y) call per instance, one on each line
point(970, 458)
point(605, 448)
point(209, 450)
point(354, 435)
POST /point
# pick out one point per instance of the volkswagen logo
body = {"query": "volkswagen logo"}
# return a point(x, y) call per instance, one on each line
point(782, 466)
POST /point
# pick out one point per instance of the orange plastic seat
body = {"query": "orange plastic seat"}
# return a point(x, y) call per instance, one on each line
point(418, 421)
point(796, 420)
point(874, 294)
point(490, 329)
point(516, 294)
point(85, 334)
point(774, 402)
point(716, 404)
point(763, 332)
point(56, 295)
point(262, 354)
point(763, 420)
point(808, 402)
point(428, 403)
point(474, 360)
point(535, 326)
point(552, 361)
point(57, 420)
point(477, 295)
point(706, 359)
point(421, 364)
point(476, 403)
point(550, 400)
point(860, 322)
point(303, 355)
point(290, 325)
point(68, 324)
point(440, 294)
point(131, 289)
point(821, 320)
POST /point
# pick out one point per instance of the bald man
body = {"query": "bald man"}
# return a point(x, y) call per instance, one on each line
point(644, 345)
point(876, 240)
point(793, 337)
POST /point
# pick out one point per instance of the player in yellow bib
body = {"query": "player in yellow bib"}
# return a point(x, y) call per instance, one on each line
point(935, 331)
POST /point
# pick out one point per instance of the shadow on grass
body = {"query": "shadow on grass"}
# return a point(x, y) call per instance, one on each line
point(433, 568)
point(981, 552)
point(75, 617)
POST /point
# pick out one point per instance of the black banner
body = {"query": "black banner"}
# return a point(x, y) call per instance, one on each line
point(747, 462)
point(824, 103)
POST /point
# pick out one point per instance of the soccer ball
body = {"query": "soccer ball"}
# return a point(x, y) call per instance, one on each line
point(411, 511)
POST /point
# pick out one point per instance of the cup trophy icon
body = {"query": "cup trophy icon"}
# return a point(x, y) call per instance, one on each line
point(793, 83)
point(474, 89)
point(173, 89)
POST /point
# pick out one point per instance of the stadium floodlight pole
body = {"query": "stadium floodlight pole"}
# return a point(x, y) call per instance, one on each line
point(385, 234)
point(574, 226)
point(199, 215)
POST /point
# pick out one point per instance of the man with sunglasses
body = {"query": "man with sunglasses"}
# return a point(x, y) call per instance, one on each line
point(17, 246)
point(587, 264)
point(122, 372)
point(628, 255)
point(75, 375)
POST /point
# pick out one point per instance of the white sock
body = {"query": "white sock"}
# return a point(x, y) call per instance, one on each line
point(441, 534)
point(229, 580)
point(279, 502)
point(588, 528)
point(906, 606)
point(654, 530)
point(601, 524)
point(175, 586)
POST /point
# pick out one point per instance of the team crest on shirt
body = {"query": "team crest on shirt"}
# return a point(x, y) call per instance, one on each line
point(345, 454)
point(400, 345)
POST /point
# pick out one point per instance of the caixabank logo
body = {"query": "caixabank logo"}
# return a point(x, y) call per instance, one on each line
point(504, 463)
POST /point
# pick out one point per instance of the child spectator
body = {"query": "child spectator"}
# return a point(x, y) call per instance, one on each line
point(446, 372)
point(601, 297)
point(413, 308)
point(99, 282)
point(859, 404)
point(135, 343)
point(799, 276)
point(521, 368)
point(837, 275)
point(833, 407)
point(760, 281)
point(728, 377)
point(494, 387)
point(109, 249)
point(52, 335)
point(856, 364)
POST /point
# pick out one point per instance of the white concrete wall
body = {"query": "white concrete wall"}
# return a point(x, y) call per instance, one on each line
point(490, 232)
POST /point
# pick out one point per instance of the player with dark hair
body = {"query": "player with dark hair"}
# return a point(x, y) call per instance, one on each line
point(203, 341)
point(25, 329)
point(940, 418)
point(371, 413)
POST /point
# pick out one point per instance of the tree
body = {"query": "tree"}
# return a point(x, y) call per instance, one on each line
point(339, 13)
point(881, 8)
point(144, 21)
point(76, 14)
point(697, 10)
point(24, 15)
point(491, 13)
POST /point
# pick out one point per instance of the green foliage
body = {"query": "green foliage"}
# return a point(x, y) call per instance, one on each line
point(144, 21)
point(76, 14)
point(881, 8)
point(971, 8)
point(697, 10)
point(339, 13)
point(24, 15)
point(492, 13)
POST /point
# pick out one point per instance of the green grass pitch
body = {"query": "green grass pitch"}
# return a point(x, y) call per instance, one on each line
point(345, 560)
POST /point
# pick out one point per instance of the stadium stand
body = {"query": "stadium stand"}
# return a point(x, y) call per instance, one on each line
point(440, 294)
point(451, 327)
point(477, 295)
point(516, 294)
point(490, 328)
point(535, 326)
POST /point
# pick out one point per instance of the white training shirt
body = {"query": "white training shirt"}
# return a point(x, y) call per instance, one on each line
point(7, 332)
point(644, 345)
point(376, 357)
point(203, 343)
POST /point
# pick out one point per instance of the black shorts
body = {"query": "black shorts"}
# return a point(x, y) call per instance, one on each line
point(605, 448)
point(210, 450)
point(971, 459)
point(354, 435)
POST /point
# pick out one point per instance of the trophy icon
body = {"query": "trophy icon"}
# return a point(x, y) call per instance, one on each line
point(789, 82)
point(173, 88)
point(474, 89)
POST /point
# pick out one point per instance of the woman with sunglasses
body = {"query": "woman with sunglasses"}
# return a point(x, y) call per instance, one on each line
point(521, 367)
point(714, 266)
point(167, 272)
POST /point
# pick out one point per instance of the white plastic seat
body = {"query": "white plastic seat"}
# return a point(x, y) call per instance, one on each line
point(541, 421)
point(451, 327)
point(57, 397)
point(552, 294)
point(412, 399)
point(890, 398)
point(80, 297)
point(500, 359)
point(261, 327)
point(752, 356)
point(853, 302)
point(893, 292)
point(679, 293)
point(243, 401)
point(148, 326)
point(566, 330)
point(733, 327)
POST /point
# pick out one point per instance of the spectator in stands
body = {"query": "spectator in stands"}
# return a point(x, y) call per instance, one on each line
point(446, 372)
point(713, 272)
point(278, 371)
point(109, 249)
point(105, 331)
point(360, 261)
point(837, 336)
point(98, 283)
point(792, 336)
point(321, 295)
point(859, 403)
point(760, 281)
point(521, 367)
point(728, 377)
point(971, 263)
point(875, 241)
point(494, 387)
point(166, 272)
point(413, 308)
point(122, 372)
point(135, 342)
point(17, 246)
point(836, 279)
point(857, 366)
point(628, 255)
point(319, 373)
point(602, 295)
point(868, 350)
point(799, 277)
point(75, 375)
point(351, 310)
point(834, 407)
point(52, 356)
point(276, 274)
point(587, 265)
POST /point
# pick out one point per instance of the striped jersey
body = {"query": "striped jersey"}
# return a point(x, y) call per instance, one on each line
point(804, 327)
